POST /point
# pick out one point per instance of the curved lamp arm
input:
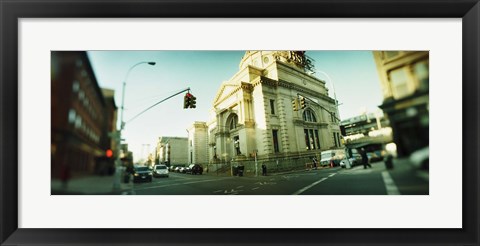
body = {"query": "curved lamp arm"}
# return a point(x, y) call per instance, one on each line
point(122, 124)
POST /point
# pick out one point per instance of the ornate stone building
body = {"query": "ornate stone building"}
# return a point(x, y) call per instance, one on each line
point(253, 111)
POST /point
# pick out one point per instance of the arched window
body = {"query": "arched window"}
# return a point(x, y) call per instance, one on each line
point(309, 116)
point(233, 122)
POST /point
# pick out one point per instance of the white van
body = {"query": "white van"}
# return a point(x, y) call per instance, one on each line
point(334, 156)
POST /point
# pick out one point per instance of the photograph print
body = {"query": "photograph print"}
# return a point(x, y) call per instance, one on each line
point(231, 122)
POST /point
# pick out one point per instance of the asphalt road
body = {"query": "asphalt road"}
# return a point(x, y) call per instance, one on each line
point(402, 180)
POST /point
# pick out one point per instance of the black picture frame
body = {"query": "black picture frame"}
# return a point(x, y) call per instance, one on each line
point(11, 11)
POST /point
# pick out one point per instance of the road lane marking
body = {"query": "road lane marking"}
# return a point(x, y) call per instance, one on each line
point(180, 177)
point(390, 184)
point(241, 186)
point(255, 188)
point(232, 192)
point(176, 184)
point(217, 191)
point(309, 186)
point(331, 175)
point(200, 181)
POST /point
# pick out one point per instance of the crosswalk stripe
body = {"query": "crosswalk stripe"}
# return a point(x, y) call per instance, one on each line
point(390, 184)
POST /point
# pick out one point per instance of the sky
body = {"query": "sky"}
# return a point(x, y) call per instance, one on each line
point(353, 74)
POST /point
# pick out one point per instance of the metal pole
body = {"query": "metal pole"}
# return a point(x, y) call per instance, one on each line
point(256, 164)
point(118, 166)
point(334, 92)
point(187, 89)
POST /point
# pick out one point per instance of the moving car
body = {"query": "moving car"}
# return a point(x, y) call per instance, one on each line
point(195, 169)
point(160, 171)
point(142, 174)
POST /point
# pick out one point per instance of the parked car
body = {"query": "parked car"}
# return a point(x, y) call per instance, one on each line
point(141, 174)
point(343, 163)
point(182, 170)
point(420, 158)
point(160, 171)
point(332, 157)
point(195, 169)
point(357, 158)
point(375, 156)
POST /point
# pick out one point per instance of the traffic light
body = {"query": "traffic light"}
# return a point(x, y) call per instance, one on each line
point(303, 104)
point(109, 153)
point(193, 101)
point(187, 100)
point(295, 104)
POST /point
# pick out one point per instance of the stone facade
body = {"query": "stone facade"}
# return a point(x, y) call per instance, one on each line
point(197, 144)
point(253, 113)
point(172, 151)
point(404, 77)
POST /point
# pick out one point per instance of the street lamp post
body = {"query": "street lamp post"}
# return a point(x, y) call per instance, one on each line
point(333, 86)
point(118, 171)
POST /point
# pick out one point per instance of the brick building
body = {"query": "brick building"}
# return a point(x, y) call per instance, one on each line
point(81, 116)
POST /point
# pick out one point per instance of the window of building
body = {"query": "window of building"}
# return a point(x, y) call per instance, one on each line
point(81, 95)
point(338, 139)
point(307, 142)
point(78, 121)
point(272, 106)
point(233, 122)
point(420, 69)
point(309, 116)
point(72, 115)
point(75, 86)
point(318, 139)
point(276, 147)
point(399, 81)
point(311, 139)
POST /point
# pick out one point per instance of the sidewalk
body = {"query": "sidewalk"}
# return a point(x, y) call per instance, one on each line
point(90, 185)
point(269, 173)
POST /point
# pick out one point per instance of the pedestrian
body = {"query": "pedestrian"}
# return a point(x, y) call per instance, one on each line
point(363, 152)
point(314, 160)
point(264, 170)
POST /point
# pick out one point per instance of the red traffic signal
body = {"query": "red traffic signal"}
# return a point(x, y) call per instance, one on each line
point(189, 101)
point(109, 153)
point(186, 101)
